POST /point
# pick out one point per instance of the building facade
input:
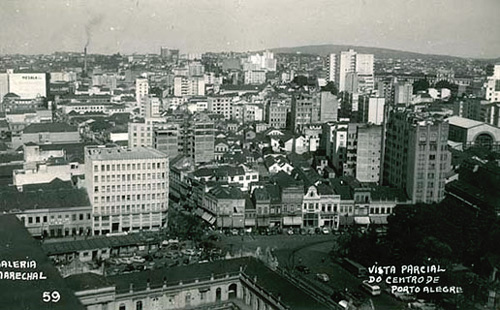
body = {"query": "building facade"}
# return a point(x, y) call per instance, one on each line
point(128, 188)
point(416, 154)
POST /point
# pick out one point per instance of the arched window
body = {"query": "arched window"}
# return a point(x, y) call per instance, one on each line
point(138, 305)
point(484, 140)
point(218, 294)
point(122, 307)
point(232, 290)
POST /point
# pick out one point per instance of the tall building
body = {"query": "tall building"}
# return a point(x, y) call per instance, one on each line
point(255, 77)
point(140, 132)
point(201, 138)
point(169, 54)
point(362, 65)
point(332, 68)
point(368, 153)
point(222, 105)
point(25, 85)
point(189, 86)
point(329, 107)
point(196, 68)
point(416, 154)
point(493, 86)
point(305, 109)
point(128, 188)
point(276, 113)
point(376, 108)
point(334, 142)
point(193, 136)
point(141, 92)
point(265, 62)
point(403, 93)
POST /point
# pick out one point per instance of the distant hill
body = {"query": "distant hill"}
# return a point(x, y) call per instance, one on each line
point(381, 53)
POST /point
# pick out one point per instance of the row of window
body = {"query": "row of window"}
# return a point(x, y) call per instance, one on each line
point(137, 197)
point(130, 177)
point(129, 167)
point(381, 210)
point(105, 219)
point(44, 219)
point(129, 187)
point(135, 208)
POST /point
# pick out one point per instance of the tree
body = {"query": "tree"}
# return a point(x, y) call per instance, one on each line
point(331, 87)
point(185, 225)
point(490, 69)
point(300, 80)
point(157, 91)
point(420, 85)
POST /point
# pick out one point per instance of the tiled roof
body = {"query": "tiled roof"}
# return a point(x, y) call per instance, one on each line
point(56, 194)
point(16, 244)
point(463, 122)
point(65, 247)
point(226, 192)
point(271, 281)
point(50, 127)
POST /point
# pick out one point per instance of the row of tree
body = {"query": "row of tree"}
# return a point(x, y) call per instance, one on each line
point(449, 234)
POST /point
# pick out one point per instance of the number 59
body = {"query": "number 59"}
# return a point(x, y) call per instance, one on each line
point(51, 296)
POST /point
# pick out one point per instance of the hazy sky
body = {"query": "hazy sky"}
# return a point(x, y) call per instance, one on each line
point(455, 27)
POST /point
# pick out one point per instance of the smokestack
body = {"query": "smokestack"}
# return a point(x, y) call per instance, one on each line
point(85, 61)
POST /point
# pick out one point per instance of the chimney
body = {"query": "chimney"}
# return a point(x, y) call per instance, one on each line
point(85, 61)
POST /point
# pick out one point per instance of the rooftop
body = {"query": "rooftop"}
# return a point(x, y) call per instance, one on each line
point(463, 122)
point(72, 246)
point(271, 281)
point(56, 194)
point(118, 153)
point(49, 127)
point(16, 244)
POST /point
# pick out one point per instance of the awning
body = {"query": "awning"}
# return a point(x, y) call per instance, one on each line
point(292, 220)
point(362, 220)
point(346, 220)
point(208, 218)
point(379, 220)
point(249, 222)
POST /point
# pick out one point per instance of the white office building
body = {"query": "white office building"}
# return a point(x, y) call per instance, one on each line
point(128, 188)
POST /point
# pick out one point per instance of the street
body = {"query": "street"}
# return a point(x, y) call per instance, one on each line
point(311, 251)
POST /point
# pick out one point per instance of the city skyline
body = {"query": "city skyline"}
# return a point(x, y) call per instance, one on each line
point(457, 28)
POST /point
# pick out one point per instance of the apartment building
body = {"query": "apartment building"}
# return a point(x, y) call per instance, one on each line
point(416, 154)
point(276, 113)
point(221, 105)
point(191, 135)
point(305, 109)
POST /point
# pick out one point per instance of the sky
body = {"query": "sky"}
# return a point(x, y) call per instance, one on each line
point(468, 28)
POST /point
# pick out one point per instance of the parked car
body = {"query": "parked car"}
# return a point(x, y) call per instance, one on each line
point(325, 230)
point(289, 231)
point(323, 277)
point(303, 269)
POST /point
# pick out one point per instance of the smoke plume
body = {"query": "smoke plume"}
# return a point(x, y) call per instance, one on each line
point(90, 27)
